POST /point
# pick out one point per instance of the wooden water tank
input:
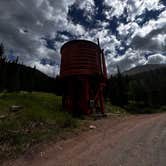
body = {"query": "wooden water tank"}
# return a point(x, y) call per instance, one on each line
point(83, 73)
point(80, 57)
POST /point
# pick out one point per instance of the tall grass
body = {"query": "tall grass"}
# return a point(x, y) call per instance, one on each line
point(41, 118)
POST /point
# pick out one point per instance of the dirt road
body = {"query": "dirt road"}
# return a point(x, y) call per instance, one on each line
point(130, 141)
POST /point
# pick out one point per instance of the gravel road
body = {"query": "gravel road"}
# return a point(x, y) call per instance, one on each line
point(120, 141)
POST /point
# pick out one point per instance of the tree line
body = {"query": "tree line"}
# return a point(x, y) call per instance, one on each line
point(16, 77)
point(145, 88)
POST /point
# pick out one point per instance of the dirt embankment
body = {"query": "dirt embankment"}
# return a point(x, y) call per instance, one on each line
point(128, 141)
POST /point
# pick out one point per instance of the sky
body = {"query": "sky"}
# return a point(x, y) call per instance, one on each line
point(131, 32)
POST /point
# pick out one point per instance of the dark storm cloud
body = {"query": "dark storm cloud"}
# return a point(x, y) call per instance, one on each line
point(148, 42)
point(23, 24)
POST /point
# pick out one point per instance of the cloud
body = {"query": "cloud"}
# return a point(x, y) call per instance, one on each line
point(88, 6)
point(127, 29)
point(36, 29)
point(114, 10)
point(25, 23)
point(129, 60)
point(132, 7)
point(156, 59)
point(151, 36)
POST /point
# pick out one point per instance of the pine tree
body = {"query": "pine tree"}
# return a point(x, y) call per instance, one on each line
point(17, 59)
point(1, 50)
point(2, 57)
point(2, 68)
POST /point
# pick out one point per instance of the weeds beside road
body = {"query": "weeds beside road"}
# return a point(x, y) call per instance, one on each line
point(40, 119)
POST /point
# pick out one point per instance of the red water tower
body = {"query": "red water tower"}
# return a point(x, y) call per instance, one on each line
point(83, 74)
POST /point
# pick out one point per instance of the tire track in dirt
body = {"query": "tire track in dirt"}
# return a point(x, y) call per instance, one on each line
point(133, 140)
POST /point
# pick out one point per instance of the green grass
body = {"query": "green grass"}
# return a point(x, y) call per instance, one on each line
point(133, 108)
point(40, 119)
point(137, 108)
point(114, 109)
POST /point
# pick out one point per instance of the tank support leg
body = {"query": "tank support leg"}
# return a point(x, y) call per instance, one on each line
point(101, 100)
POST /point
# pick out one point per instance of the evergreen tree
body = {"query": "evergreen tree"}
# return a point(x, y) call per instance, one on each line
point(2, 68)
point(16, 61)
point(1, 50)
point(118, 89)
point(2, 58)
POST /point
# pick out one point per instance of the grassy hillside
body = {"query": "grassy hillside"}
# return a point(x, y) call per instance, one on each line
point(40, 118)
